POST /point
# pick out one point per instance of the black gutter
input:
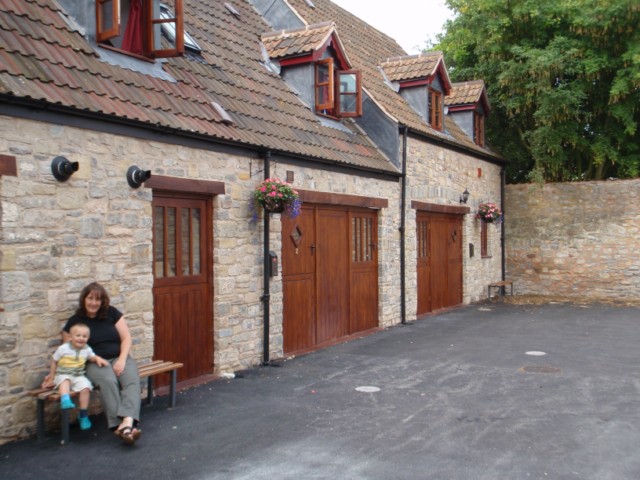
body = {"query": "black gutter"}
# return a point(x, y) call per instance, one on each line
point(403, 206)
point(266, 279)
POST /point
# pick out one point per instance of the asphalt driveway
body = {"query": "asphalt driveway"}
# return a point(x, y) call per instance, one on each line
point(485, 392)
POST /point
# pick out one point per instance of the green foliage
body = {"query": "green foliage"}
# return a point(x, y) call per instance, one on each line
point(563, 79)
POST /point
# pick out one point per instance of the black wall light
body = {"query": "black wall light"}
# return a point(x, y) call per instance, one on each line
point(464, 196)
point(136, 176)
point(62, 169)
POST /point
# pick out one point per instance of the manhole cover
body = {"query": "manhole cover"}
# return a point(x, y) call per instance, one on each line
point(540, 369)
point(367, 389)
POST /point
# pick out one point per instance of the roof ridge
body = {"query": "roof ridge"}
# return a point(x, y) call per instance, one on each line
point(291, 31)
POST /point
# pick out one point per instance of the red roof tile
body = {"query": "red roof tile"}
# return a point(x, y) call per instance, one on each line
point(466, 93)
point(370, 49)
point(43, 58)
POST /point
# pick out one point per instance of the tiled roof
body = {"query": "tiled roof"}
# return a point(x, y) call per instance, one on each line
point(412, 67)
point(44, 59)
point(368, 49)
point(466, 93)
point(298, 41)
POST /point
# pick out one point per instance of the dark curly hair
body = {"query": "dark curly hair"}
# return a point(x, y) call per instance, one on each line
point(102, 293)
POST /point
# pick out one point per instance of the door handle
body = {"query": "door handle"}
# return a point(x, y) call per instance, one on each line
point(313, 248)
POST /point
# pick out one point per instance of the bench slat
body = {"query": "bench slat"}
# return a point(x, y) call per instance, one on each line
point(148, 369)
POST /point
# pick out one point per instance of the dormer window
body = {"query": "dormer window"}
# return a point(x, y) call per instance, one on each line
point(338, 92)
point(135, 27)
point(478, 129)
point(169, 31)
point(435, 109)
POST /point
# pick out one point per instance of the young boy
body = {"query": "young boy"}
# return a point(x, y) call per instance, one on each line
point(68, 371)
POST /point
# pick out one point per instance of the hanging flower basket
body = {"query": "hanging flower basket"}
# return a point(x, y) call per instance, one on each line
point(275, 196)
point(489, 213)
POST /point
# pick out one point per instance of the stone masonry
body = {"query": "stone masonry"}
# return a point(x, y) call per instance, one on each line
point(575, 239)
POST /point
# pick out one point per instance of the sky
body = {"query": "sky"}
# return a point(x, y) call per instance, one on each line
point(410, 22)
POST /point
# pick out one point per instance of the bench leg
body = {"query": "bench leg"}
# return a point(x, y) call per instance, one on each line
point(40, 419)
point(174, 375)
point(64, 426)
point(150, 390)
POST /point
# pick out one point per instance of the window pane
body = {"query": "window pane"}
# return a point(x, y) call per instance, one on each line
point(158, 252)
point(348, 83)
point(195, 240)
point(368, 240)
point(185, 240)
point(324, 85)
point(171, 242)
point(348, 103)
point(107, 19)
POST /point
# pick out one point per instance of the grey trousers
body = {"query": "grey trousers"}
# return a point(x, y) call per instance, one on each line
point(120, 395)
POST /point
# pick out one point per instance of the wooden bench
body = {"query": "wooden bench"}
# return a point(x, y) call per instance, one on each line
point(500, 286)
point(147, 371)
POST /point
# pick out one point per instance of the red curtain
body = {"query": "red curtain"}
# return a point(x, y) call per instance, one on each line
point(132, 41)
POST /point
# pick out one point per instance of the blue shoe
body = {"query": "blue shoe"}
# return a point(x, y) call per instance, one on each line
point(85, 423)
point(66, 403)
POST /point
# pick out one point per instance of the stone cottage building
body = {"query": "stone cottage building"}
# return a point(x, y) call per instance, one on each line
point(132, 137)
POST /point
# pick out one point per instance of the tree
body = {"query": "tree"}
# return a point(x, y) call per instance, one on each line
point(563, 78)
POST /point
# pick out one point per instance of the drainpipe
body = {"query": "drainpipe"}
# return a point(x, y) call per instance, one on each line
point(265, 272)
point(502, 236)
point(403, 205)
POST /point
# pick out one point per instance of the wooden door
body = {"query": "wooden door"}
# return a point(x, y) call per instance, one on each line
point(454, 265)
point(423, 263)
point(182, 288)
point(439, 261)
point(329, 275)
point(299, 280)
point(364, 271)
point(332, 294)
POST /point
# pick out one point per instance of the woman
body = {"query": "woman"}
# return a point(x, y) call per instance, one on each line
point(110, 338)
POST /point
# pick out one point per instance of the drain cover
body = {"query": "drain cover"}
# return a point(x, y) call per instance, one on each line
point(367, 389)
point(540, 369)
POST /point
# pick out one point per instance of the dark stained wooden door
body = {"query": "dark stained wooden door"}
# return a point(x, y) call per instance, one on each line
point(423, 263)
point(439, 261)
point(332, 294)
point(299, 280)
point(364, 271)
point(182, 288)
point(330, 275)
point(454, 265)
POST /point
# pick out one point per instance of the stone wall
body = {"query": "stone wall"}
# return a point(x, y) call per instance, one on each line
point(58, 236)
point(440, 176)
point(574, 239)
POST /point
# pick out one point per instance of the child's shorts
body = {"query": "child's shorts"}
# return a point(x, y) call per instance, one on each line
point(78, 382)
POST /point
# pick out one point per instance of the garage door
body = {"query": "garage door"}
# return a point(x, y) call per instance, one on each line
point(330, 275)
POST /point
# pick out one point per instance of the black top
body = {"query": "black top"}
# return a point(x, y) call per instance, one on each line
point(104, 337)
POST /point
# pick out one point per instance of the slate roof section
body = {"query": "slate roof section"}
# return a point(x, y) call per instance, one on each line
point(368, 49)
point(467, 93)
point(44, 60)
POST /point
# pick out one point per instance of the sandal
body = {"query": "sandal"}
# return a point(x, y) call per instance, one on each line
point(129, 435)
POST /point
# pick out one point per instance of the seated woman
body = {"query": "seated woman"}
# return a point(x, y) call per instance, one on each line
point(110, 338)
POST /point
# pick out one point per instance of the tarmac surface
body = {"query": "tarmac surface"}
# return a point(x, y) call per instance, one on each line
point(484, 392)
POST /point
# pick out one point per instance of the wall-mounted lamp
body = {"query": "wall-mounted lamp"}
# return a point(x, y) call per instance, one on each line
point(136, 176)
point(62, 169)
point(464, 196)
